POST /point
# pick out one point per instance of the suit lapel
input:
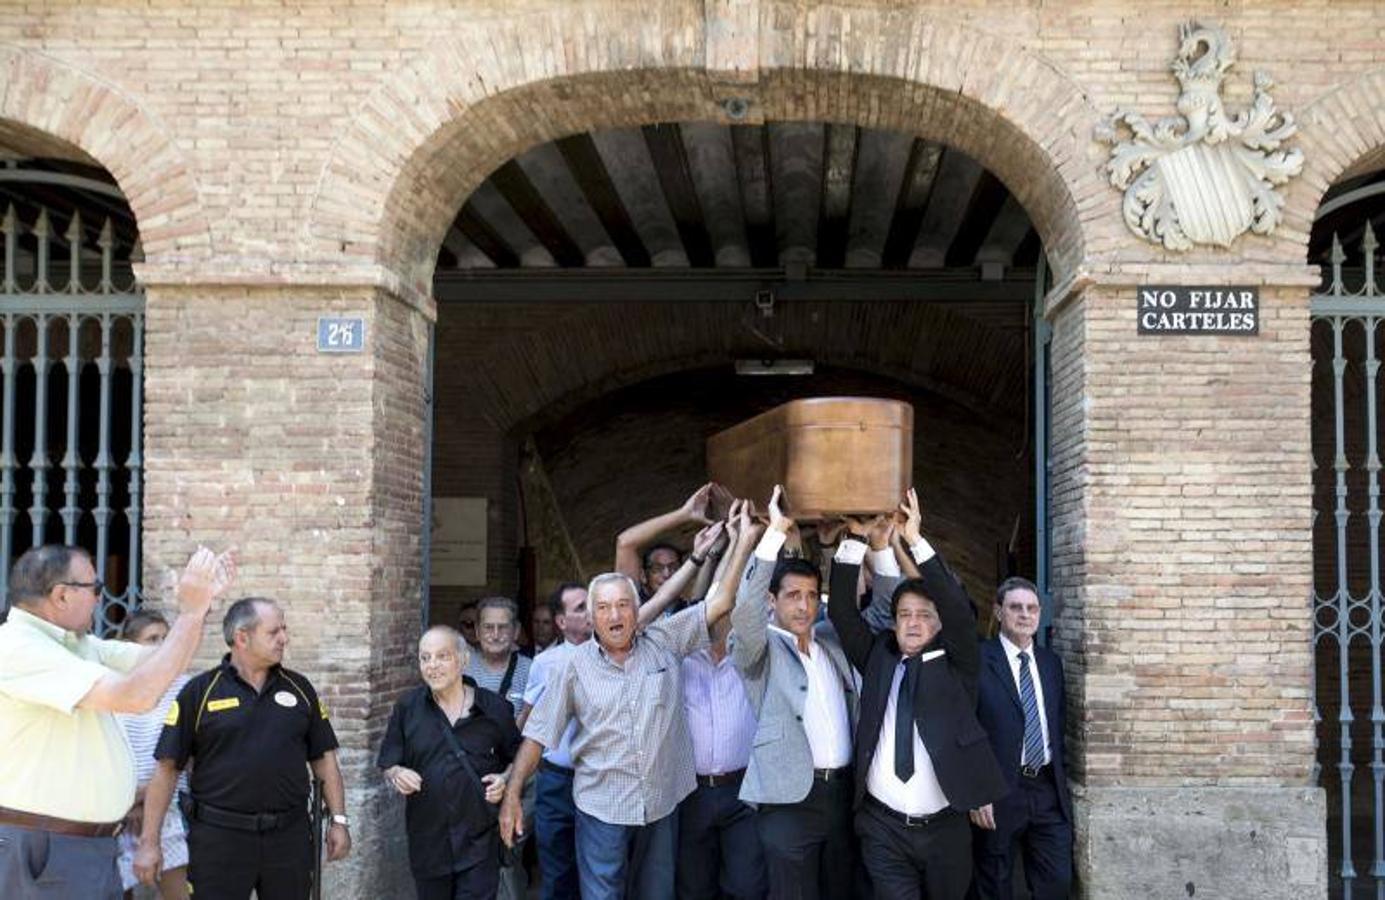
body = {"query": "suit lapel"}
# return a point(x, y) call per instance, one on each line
point(996, 659)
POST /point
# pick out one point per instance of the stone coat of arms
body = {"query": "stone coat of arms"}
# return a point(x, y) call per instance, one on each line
point(1202, 177)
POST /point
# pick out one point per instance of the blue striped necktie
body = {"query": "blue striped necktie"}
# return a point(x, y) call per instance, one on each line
point(1033, 733)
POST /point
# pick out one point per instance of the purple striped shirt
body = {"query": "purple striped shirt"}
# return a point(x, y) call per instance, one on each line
point(720, 719)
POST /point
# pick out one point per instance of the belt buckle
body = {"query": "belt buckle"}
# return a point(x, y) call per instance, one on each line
point(266, 821)
point(1030, 771)
point(827, 774)
point(915, 821)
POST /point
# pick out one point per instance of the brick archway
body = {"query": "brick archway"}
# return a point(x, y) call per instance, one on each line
point(1342, 133)
point(56, 100)
point(428, 137)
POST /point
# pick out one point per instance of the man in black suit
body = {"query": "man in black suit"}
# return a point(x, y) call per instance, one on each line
point(1022, 708)
point(921, 757)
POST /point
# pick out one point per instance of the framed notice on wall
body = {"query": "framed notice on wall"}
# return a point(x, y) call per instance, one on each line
point(458, 542)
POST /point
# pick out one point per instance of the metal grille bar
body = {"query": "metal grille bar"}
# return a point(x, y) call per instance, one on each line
point(1342, 618)
point(72, 360)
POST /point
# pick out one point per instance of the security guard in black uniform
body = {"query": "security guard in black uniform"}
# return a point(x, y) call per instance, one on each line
point(252, 729)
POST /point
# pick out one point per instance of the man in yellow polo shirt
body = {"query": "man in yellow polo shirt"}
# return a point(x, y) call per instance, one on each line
point(66, 776)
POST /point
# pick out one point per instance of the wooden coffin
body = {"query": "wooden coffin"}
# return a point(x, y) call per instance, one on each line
point(834, 455)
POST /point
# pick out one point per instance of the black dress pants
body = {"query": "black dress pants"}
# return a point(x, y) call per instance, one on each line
point(227, 863)
point(809, 851)
point(1031, 818)
point(905, 862)
point(719, 855)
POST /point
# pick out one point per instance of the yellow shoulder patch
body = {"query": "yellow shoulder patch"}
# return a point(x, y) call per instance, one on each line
point(224, 703)
point(322, 707)
point(171, 718)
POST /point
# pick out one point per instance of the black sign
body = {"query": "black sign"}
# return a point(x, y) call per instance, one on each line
point(1198, 310)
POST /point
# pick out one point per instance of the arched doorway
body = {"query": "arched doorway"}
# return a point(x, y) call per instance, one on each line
point(71, 366)
point(725, 269)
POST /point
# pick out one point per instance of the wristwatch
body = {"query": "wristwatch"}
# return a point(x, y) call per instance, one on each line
point(341, 819)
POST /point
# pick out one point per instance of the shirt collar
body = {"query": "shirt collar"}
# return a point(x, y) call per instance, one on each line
point(812, 652)
point(1012, 652)
point(230, 669)
point(26, 619)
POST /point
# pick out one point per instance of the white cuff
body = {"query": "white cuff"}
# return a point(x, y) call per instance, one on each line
point(770, 545)
point(922, 551)
point(883, 563)
point(851, 552)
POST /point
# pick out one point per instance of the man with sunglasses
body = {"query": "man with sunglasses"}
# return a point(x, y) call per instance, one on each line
point(66, 775)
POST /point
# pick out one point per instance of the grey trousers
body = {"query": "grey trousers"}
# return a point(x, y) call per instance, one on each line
point(42, 865)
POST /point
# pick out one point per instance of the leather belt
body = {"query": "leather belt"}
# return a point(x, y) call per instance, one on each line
point(1034, 771)
point(37, 822)
point(724, 778)
point(554, 767)
point(831, 774)
point(225, 818)
point(908, 820)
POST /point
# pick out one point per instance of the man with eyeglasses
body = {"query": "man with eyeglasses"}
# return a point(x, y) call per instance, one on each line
point(499, 667)
point(66, 775)
point(643, 554)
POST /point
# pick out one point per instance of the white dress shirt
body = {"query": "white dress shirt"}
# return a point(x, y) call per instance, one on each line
point(825, 720)
point(921, 794)
point(1012, 655)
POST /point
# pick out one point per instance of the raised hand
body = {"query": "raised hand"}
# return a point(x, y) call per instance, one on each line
point(697, 507)
point(747, 527)
point(197, 584)
point(879, 530)
point(777, 520)
point(913, 519)
point(706, 539)
point(224, 573)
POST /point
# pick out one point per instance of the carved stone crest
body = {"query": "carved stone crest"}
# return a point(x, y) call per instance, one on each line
point(1202, 177)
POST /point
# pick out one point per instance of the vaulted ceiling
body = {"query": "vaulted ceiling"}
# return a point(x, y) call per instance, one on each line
point(704, 196)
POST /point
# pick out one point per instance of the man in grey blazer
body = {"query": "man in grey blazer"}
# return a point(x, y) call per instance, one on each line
point(803, 692)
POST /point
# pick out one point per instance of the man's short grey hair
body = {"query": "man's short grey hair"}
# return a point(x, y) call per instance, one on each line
point(504, 603)
point(611, 578)
point(40, 570)
point(448, 631)
point(244, 613)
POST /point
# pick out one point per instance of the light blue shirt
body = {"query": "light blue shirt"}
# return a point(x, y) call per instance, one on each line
point(546, 665)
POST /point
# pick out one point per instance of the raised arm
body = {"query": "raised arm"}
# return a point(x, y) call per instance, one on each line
point(956, 613)
point(632, 541)
point(206, 577)
point(882, 536)
point(842, 610)
point(671, 589)
point(723, 597)
point(750, 616)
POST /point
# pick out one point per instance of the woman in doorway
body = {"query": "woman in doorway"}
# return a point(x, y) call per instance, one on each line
point(142, 731)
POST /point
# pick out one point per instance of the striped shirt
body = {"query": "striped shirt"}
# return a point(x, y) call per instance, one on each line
point(720, 719)
point(142, 730)
point(631, 750)
point(490, 679)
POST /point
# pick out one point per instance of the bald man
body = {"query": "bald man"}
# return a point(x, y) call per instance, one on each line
point(449, 738)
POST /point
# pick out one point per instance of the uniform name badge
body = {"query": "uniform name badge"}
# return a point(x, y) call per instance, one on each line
point(286, 698)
